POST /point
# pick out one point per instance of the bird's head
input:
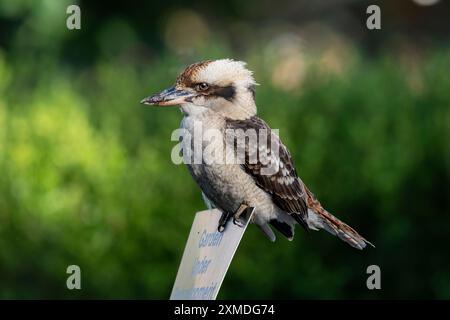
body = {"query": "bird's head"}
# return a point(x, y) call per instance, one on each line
point(224, 86)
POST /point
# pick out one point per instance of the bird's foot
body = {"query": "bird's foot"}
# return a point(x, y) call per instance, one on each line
point(236, 217)
point(237, 220)
point(223, 221)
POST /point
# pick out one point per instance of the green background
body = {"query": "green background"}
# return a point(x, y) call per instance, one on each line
point(85, 170)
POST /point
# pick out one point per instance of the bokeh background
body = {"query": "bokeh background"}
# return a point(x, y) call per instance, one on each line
point(85, 170)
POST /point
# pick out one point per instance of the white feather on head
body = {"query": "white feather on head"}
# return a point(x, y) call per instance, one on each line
point(224, 72)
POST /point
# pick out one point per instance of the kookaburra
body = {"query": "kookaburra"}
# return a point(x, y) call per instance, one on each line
point(220, 95)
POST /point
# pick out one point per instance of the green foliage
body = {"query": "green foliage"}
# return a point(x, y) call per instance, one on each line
point(87, 179)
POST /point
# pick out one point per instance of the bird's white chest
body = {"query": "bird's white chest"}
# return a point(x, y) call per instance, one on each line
point(203, 140)
point(223, 181)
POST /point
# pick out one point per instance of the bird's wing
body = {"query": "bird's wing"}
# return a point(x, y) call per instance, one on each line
point(270, 164)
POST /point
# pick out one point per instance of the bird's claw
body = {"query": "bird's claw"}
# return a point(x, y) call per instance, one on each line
point(238, 222)
point(223, 221)
point(236, 217)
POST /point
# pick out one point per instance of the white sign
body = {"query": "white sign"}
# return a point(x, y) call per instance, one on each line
point(207, 256)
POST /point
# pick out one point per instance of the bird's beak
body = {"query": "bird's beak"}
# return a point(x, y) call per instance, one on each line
point(168, 97)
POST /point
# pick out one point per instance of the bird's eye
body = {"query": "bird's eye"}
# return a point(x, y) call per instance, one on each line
point(202, 86)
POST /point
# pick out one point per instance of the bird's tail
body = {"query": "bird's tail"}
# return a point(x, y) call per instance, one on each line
point(319, 218)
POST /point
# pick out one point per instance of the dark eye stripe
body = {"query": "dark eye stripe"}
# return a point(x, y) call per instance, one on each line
point(227, 92)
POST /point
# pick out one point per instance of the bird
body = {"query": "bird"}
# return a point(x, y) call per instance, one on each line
point(219, 95)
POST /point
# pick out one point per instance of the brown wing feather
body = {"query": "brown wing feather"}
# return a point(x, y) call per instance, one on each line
point(281, 181)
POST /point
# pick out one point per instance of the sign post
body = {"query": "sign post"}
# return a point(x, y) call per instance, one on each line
point(207, 256)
